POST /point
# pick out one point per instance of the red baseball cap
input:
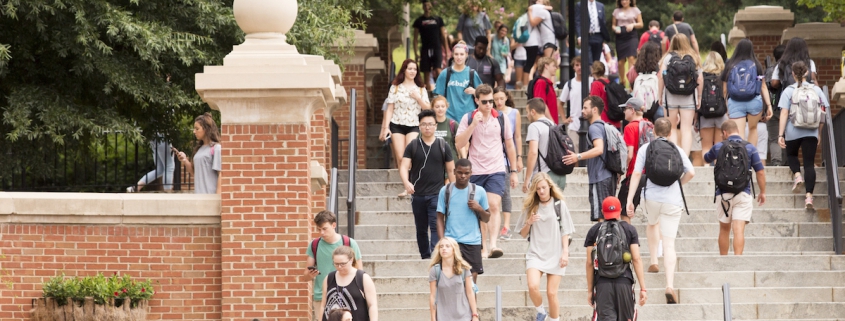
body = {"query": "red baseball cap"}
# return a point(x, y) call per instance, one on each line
point(611, 208)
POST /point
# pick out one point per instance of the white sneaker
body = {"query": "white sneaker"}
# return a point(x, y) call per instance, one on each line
point(660, 249)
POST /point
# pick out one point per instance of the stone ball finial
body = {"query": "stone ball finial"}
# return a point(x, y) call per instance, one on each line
point(265, 18)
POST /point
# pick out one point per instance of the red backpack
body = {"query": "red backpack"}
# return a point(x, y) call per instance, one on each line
point(316, 242)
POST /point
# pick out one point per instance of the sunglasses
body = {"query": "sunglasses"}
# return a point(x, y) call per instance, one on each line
point(485, 102)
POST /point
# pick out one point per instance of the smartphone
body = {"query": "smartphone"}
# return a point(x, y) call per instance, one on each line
point(312, 268)
point(386, 137)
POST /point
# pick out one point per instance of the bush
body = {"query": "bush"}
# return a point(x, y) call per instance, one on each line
point(99, 287)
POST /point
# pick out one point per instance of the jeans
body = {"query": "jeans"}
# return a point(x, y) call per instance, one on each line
point(165, 165)
point(425, 220)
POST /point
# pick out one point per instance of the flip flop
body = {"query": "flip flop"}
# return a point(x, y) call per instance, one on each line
point(653, 268)
point(496, 253)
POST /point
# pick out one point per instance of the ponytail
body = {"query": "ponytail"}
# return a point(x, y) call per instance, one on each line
point(799, 69)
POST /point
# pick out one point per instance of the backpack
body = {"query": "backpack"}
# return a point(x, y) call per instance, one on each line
point(521, 29)
point(680, 76)
point(616, 95)
point(316, 242)
point(805, 108)
point(449, 76)
point(359, 280)
point(611, 244)
point(464, 275)
point(732, 172)
point(559, 145)
point(655, 37)
point(743, 83)
point(558, 25)
point(664, 165)
point(529, 92)
point(615, 155)
point(646, 132)
point(645, 88)
point(712, 101)
point(449, 194)
point(786, 78)
point(774, 94)
point(499, 116)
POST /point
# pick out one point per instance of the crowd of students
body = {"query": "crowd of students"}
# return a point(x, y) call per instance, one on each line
point(460, 153)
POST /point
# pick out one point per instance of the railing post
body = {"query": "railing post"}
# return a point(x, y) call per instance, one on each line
point(498, 303)
point(333, 193)
point(726, 301)
point(353, 165)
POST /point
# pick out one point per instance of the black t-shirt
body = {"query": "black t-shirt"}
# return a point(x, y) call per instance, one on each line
point(429, 31)
point(633, 238)
point(427, 170)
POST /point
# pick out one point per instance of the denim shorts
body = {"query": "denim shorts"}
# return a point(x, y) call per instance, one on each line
point(493, 183)
point(740, 109)
point(519, 63)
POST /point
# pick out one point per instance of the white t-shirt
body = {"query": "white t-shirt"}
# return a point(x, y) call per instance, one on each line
point(543, 33)
point(776, 72)
point(606, 49)
point(573, 96)
point(539, 131)
point(519, 53)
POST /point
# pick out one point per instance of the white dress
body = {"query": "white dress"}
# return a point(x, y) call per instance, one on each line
point(545, 246)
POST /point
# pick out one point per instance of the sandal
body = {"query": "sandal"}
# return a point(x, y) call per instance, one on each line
point(671, 297)
point(653, 268)
point(496, 253)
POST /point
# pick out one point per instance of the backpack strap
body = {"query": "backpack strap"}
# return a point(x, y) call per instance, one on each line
point(346, 241)
point(446, 86)
point(442, 143)
point(359, 281)
point(453, 127)
point(314, 244)
point(448, 193)
point(472, 78)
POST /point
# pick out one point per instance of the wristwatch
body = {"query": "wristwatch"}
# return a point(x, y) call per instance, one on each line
point(579, 156)
point(513, 171)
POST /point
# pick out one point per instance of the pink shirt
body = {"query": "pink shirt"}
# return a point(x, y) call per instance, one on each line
point(485, 146)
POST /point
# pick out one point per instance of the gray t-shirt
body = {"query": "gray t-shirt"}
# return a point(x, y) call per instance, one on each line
point(472, 27)
point(486, 67)
point(207, 167)
point(451, 299)
point(674, 29)
point(539, 132)
point(596, 170)
point(545, 246)
point(662, 194)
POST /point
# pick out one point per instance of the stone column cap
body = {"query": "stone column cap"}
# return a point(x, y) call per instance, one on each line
point(735, 36)
point(838, 92)
point(825, 40)
point(763, 20)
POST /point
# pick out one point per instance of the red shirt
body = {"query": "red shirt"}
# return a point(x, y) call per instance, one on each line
point(545, 89)
point(597, 89)
point(632, 138)
point(648, 34)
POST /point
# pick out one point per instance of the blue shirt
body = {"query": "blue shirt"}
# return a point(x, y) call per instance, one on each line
point(753, 157)
point(459, 102)
point(596, 170)
point(791, 132)
point(462, 223)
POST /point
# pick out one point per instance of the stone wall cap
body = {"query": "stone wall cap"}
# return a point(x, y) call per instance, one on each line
point(824, 40)
point(735, 36)
point(764, 13)
point(375, 63)
point(837, 94)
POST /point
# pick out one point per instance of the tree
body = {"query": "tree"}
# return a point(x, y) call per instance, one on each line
point(323, 24)
point(834, 9)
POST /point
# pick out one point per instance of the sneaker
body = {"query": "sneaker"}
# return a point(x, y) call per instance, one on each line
point(808, 203)
point(131, 189)
point(799, 181)
point(541, 316)
point(505, 234)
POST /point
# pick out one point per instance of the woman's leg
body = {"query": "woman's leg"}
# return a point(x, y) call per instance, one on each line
point(519, 77)
point(740, 126)
point(808, 151)
point(398, 142)
point(533, 278)
point(687, 116)
point(673, 117)
point(792, 147)
point(707, 139)
point(752, 128)
point(552, 283)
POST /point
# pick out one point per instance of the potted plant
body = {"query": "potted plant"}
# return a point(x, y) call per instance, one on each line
point(93, 298)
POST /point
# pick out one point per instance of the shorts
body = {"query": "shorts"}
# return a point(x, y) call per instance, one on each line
point(519, 63)
point(739, 207)
point(430, 58)
point(472, 254)
point(402, 129)
point(680, 107)
point(668, 215)
point(624, 190)
point(493, 183)
point(507, 202)
point(615, 301)
point(598, 192)
point(530, 57)
point(712, 122)
point(740, 109)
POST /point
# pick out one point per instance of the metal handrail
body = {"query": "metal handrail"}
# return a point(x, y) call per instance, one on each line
point(834, 198)
point(726, 301)
point(353, 165)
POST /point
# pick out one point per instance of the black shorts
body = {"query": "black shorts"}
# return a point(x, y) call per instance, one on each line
point(531, 54)
point(402, 129)
point(430, 59)
point(598, 192)
point(623, 193)
point(472, 254)
point(615, 301)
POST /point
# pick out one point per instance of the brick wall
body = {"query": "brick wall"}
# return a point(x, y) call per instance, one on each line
point(321, 152)
point(266, 205)
point(764, 45)
point(353, 77)
point(182, 262)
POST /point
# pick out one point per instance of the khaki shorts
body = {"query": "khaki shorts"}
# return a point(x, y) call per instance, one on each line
point(741, 207)
point(316, 310)
point(668, 215)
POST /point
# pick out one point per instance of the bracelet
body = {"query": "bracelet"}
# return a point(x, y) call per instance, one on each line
point(475, 314)
point(643, 290)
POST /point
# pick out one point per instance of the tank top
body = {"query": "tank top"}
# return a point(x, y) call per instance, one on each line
point(350, 296)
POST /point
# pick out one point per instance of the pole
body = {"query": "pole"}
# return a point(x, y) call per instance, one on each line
point(353, 164)
point(586, 59)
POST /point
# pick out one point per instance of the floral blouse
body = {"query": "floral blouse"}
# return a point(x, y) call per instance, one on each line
point(406, 110)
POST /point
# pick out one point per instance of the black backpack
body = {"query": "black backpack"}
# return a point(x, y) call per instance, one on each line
point(559, 145)
point(616, 95)
point(529, 92)
point(611, 244)
point(774, 94)
point(681, 75)
point(732, 172)
point(664, 165)
point(449, 76)
point(559, 25)
point(655, 37)
point(712, 101)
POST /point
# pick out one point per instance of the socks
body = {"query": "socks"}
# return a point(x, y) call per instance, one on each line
point(555, 319)
point(540, 309)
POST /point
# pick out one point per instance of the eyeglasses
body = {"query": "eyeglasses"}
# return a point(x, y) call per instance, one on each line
point(427, 124)
point(486, 102)
point(342, 264)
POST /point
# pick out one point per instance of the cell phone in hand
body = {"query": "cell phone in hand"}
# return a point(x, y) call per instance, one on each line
point(312, 268)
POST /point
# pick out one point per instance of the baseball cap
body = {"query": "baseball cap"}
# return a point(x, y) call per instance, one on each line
point(549, 45)
point(611, 208)
point(635, 103)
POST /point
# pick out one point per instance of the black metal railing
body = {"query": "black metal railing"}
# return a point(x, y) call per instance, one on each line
point(353, 166)
point(830, 155)
point(109, 163)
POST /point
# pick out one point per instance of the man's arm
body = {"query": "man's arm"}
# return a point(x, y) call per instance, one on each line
point(596, 151)
point(630, 154)
point(590, 275)
point(761, 182)
point(510, 150)
point(450, 170)
point(638, 269)
point(462, 138)
point(533, 20)
point(531, 161)
point(445, 39)
point(578, 21)
point(688, 176)
point(404, 167)
point(694, 42)
point(441, 224)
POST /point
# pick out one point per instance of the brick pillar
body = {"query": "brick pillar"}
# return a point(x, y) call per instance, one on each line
point(763, 25)
point(354, 76)
point(268, 96)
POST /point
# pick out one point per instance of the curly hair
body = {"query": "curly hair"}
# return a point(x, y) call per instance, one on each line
point(648, 60)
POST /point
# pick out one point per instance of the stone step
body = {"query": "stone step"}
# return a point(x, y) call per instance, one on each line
point(686, 263)
point(408, 232)
point(713, 295)
point(521, 255)
point(705, 214)
point(695, 200)
point(712, 279)
point(686, 244)
point(699, 311)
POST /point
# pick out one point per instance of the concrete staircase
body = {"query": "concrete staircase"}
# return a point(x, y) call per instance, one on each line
point(788, 271)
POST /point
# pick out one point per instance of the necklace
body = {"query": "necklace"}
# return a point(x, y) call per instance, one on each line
point(546, 201)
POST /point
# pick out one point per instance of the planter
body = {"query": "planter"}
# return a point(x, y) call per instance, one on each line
point(48, 309)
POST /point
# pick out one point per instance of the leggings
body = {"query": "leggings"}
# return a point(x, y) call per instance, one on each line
point(808, 152)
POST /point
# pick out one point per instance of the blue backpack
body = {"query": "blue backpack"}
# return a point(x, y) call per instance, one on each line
point(743, 83)
point(521, 29)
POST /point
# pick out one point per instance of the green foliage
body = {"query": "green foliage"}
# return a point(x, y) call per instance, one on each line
point(323, 24)
point(834, 9)
point(98, 287)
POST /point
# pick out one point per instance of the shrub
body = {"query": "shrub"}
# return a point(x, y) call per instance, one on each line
point(99, 287)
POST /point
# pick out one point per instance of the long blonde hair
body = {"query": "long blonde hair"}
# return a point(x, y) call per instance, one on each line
point(713, 63)
point(459, 265)
point(532, 202)
point(680, 44)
